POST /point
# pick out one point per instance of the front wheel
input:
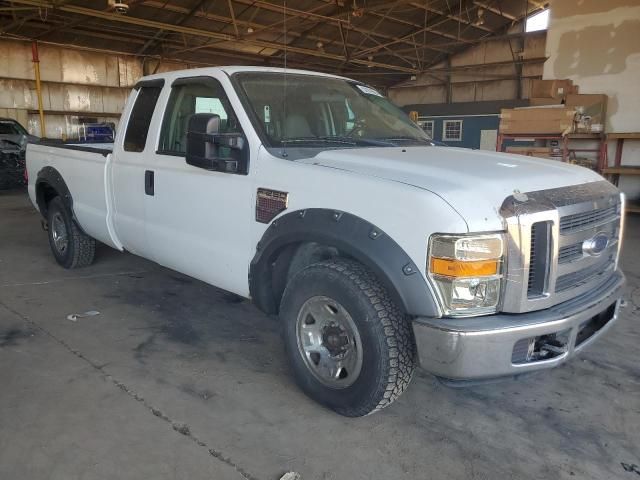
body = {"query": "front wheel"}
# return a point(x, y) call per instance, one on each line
point(350, 346)
point(71, 247)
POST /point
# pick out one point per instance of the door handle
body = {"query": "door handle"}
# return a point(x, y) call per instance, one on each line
point(148, 182)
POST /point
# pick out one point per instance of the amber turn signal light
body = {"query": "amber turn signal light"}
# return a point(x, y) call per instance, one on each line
point(456, 268)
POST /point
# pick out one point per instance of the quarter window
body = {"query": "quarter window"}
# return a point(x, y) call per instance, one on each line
point(140, 118)
point(190, 96)
point(452, 130)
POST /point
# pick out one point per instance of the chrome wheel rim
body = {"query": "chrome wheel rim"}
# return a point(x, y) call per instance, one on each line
point(329, 342)
point(59, 233)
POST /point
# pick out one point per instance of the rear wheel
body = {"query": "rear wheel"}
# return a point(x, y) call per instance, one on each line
point(71, 247)
point(350, 346)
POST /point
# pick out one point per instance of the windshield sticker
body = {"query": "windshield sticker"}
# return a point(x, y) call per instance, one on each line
point(267, 114)
point(369, 91)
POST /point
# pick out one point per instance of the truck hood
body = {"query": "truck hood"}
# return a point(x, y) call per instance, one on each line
point(475, 183)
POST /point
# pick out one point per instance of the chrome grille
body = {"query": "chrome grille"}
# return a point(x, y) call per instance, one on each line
point(580, 277)
point(545, 270)
point(581, 221)
point(570, 253)
point(538, 258)
point(532, 261)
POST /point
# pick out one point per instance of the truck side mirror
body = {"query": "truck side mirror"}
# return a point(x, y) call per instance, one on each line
point(209, 149)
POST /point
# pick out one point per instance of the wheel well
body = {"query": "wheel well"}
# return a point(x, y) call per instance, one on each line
point(44, 194)
point(301, 237)
point(294, 257)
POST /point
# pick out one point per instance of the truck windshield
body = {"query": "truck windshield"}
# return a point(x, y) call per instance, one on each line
point(324, 112)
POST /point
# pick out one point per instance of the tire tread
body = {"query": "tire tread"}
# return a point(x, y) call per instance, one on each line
point(82, 246)
point(400, 362)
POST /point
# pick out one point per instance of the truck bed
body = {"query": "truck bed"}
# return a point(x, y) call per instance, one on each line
point(83, 168)
point(102, 148)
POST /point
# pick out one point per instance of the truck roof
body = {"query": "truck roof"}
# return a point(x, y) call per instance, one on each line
point(231, 69)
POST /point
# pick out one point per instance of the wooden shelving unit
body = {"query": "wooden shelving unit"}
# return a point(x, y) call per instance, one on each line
point(621, 170)
point(565, 143)
point(600, 151)
point(614, 172)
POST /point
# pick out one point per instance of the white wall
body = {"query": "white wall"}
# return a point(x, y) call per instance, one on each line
point(597, 44)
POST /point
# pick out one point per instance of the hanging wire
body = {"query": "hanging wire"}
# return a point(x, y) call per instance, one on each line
point(284, 74)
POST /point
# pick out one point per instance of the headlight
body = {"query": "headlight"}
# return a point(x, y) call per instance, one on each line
point(467, 272)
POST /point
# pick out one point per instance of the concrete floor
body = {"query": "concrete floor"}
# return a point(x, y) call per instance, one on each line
point(176, 379)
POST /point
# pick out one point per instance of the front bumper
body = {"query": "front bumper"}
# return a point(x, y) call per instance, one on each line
point(511, 344)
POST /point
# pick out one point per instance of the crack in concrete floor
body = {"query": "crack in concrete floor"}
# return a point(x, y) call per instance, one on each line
point(181, 428)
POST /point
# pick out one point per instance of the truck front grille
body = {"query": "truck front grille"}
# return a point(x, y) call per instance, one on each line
point(551, 237)
point(539, 258)
point(580, 277)
point(570, 253)
point(583, 220)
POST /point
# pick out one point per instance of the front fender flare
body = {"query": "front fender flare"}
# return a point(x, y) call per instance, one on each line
point(352, 236)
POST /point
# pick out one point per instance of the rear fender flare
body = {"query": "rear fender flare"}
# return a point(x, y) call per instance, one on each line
point(49, 177)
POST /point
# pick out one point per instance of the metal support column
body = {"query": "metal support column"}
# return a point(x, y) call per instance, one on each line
point(36, 67)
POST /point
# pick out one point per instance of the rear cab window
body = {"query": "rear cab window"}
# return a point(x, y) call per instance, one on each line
point(135, 137)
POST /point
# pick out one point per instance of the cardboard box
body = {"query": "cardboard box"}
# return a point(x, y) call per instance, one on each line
point(537, 102)
point(540, 120)
point(590, 105)
point(552, 88)
point(538, 152)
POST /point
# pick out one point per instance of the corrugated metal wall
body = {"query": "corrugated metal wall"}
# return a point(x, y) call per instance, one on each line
point(76, 84)
point(479, 83)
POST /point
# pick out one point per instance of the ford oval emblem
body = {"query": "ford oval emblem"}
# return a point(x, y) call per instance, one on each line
point(595, 245)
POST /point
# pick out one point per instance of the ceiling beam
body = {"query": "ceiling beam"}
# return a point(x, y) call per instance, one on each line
point(456, 18)
point(347, 24)
point(211, 57)
point(202, 33)
point(496, 11)
point(258, 28)
point(374, 12)
point(161, 33)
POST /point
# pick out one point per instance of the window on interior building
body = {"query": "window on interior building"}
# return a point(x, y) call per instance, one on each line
point(427, 126)
point(452, 130)
point(537, 21)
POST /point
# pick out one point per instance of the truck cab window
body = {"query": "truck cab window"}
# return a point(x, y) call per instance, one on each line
point(191, 96)
point(140, 118)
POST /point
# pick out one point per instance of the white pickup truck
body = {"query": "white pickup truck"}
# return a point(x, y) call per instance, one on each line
point(315, 197)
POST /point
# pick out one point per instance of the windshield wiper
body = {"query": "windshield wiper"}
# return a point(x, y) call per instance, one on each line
point(341, 140)
point(335, 140)
point(405, 139)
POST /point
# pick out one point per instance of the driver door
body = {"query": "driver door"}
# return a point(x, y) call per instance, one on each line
point(198, 221)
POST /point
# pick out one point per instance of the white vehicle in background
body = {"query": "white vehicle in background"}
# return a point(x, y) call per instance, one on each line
point(326, 205)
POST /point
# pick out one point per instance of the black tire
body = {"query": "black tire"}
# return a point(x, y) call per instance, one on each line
point(387, 342)
point(80, 248)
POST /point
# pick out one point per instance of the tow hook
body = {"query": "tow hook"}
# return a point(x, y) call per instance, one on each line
point(44, 225)
point(553, 347)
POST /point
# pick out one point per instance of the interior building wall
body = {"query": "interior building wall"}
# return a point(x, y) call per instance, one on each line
point(484, 72)
point(597, 45)
point(76, 84)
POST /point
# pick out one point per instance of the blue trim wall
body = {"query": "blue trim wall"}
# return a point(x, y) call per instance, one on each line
point(471, 127)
